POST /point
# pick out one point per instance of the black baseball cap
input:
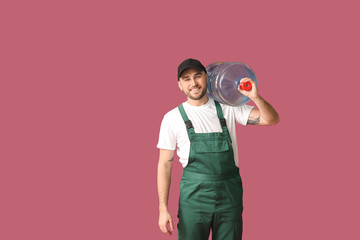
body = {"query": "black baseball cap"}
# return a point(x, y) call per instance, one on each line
point(190, 63)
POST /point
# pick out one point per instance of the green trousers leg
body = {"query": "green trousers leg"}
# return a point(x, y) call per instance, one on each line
point(227, 230)
point(188, 230)
point(210, 205)
point(200, 230)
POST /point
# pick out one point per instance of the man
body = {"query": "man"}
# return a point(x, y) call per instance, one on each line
point(204, 133)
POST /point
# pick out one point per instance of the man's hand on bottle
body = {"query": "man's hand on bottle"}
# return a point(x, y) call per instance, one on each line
point(253, 92)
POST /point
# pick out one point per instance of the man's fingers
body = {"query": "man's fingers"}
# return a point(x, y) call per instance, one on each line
point(164, 220)
point(171, 224)
point(164, 228)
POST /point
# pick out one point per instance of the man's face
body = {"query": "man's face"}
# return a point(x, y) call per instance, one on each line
point(193, 83)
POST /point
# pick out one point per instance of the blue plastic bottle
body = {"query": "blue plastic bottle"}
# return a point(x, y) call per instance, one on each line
point(224, 79)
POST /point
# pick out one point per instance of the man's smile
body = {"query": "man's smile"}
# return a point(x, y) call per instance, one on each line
point(195, 90)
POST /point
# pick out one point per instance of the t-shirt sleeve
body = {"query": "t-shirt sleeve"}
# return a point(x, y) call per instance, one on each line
point(167, 136)
point(242, 113)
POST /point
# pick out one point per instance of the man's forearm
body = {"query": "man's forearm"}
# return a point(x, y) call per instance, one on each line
point(267, 112)
point(163, 183)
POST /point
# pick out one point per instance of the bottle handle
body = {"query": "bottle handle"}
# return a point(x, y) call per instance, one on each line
point(245, 86)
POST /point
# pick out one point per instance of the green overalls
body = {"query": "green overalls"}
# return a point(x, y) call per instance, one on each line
point(210, 188)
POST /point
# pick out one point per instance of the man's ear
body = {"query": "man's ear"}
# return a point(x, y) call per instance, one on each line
point(179, 84)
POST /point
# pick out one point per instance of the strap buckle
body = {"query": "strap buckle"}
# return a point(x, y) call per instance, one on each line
point(223, 122)
point(188, 124)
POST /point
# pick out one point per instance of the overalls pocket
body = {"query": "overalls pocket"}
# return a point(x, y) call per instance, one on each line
point(211, 146)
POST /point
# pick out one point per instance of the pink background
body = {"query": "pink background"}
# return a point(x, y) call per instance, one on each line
point(85, 84)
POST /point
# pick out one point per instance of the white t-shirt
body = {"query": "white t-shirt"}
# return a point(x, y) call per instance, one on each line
point(204, 119)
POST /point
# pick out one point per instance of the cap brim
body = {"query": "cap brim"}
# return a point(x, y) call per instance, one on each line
point(188, 68)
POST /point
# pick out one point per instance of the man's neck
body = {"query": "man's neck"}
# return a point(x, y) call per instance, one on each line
point(198, 102)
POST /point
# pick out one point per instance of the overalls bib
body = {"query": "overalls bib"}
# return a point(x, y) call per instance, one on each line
point(210, 188)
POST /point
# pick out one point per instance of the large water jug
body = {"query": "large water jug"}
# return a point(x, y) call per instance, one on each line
point(224, 80)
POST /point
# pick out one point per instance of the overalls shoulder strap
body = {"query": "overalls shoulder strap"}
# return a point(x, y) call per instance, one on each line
point(220, 116)
point(188, 123)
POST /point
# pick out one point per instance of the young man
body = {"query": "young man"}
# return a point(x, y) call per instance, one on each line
point(204, 133)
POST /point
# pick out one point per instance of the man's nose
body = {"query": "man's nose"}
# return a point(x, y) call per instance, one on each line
point(192, 81)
